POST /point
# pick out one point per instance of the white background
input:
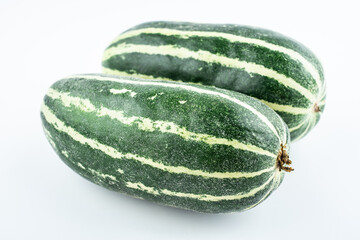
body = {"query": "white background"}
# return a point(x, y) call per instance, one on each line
point(41, 198)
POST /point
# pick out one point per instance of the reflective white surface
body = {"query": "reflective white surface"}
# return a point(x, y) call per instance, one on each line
point(41, 198)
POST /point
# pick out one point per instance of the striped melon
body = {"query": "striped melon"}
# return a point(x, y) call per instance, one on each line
point(263, 64)
point(185, 145)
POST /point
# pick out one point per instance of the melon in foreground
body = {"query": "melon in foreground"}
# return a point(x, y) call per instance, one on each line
point(271, 67)
point(177, 144)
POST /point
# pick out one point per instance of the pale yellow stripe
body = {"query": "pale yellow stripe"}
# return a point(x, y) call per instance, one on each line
point(230, 37)
point(80, 165)
point(133, 74)
point(113, 153)
point(287, 108)
point(65, 153)
point(201, 197)
point(188, 88)
point(102, 175)
point(142, 187)
point(121, 91)
point(302, 134)
point(298, 126)
point(310, 124)
point(262, 199)
point(205, 56)
point(148, 124)
point(274, 185)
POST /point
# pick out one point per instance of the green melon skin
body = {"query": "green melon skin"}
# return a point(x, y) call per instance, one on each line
point(184, 145)
point(266, 65)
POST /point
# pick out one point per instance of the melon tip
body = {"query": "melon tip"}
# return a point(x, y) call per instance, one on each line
point(316, 108)
point(283, 162)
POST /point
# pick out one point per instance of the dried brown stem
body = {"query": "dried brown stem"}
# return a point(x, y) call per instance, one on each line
point(316, 108)
point(283, 160)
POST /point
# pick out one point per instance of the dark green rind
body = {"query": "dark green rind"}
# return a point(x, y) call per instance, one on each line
point(164, 147)
point(149, 176)
point(190, 70)
point(246, 31)
point(187, 70)
point(190, 115)
point(243, 51)
point(132, 140)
